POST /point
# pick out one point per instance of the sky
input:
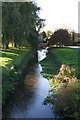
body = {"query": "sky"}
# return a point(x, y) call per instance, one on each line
point(59, 14)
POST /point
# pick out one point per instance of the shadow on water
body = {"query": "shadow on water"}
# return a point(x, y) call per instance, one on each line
point(27, 102)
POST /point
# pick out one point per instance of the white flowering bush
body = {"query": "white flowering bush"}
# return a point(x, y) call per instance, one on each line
point(65, 93)
point(65, 75)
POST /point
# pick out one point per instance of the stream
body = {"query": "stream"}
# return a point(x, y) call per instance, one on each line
point(27, 102)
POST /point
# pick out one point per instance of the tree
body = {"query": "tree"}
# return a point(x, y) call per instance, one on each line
point(43, 34)
point(49, 33)
point(60, 37)
point(19, 22)
point(73, 36)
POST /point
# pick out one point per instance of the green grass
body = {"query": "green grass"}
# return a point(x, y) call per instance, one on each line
point(58, 56)
point(9, 57)
point(13, 63)
point(68, 56)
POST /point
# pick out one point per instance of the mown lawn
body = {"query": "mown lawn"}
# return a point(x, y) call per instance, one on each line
point(58, 56)
point(68, 56)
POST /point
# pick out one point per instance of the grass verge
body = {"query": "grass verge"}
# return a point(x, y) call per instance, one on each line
point(58, 56)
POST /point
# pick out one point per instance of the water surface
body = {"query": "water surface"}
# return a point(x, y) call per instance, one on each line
point(27, 102)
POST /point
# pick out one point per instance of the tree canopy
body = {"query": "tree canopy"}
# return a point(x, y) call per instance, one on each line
point(19, 22)
point(43, 34)
point(60, 37)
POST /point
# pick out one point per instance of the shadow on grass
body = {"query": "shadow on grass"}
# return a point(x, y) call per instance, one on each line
point(50, 65)
point(58, 56)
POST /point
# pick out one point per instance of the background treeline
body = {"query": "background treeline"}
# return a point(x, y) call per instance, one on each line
point(19, 23)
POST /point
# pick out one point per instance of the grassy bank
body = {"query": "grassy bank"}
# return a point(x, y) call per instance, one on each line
point(65, 87)
point(14, 63)
point(58, 56)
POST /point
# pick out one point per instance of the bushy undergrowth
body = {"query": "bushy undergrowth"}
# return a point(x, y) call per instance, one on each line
point(67, 100)
point(14, 70)
point(65, 93)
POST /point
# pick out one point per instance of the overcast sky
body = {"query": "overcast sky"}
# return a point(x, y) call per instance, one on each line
point(59, 14)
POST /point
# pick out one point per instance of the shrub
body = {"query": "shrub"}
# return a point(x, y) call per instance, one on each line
point(66, 75)
point(67, 100)
point(65, 93)
point(60, 37)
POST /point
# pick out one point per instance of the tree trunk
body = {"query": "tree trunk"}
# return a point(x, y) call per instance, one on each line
point(7, 47)
point(15, 45)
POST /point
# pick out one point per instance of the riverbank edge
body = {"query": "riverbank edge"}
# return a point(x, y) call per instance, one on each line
point(18, 73)
point(49, 77)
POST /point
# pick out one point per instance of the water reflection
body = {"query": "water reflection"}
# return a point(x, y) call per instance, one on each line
point(27, 102)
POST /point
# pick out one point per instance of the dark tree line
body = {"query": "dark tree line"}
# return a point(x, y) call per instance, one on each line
point(60, 37)
point(19, 22)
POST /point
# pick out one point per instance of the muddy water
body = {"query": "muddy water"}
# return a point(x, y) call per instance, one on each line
point(27, 102)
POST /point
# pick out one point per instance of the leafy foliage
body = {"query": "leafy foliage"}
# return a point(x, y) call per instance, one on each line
point(43, 34)
point(65, 94)
point(66, 75)
point(60, 37)
point(19, 21)
point(14, 63)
